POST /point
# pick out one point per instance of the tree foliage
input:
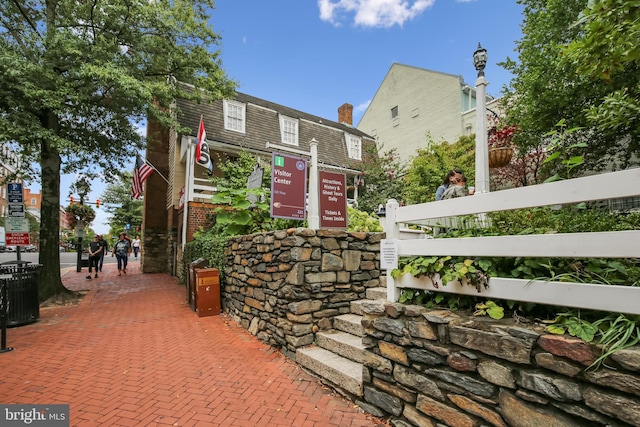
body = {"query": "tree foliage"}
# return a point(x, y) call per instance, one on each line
point(122, 209)
point(381, 177)
point(78, 77)
point(607, 51)
point(428, 168)
point(551, 82)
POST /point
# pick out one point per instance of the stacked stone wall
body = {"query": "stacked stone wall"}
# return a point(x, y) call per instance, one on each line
point(423, 367)
point(427, 368)
point(286, 285)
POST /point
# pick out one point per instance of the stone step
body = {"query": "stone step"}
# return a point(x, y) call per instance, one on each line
point(356, 306)
point(342, 343)
point(376, 293)
point(350, 323)
point(339, 371)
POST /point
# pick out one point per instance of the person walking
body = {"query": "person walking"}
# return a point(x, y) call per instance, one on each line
point(95, 249)
point(105, 250)
point(136, 246)
point(121, 250)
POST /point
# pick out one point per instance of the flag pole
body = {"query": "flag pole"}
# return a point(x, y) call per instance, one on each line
point(156, 169)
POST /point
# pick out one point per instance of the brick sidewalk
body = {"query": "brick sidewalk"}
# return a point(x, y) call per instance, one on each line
point(132, 353)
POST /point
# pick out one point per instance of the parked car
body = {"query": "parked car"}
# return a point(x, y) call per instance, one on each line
point(30, 248)
point(63, 249)
point(10, 249)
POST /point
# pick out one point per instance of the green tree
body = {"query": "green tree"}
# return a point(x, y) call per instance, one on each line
point(122, 209)
point(607, 50)
point(550, 84)
point(381, 178)
point(77, 78)
point(429, 166)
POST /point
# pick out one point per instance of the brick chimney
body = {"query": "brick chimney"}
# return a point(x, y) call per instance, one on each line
point(345, 114)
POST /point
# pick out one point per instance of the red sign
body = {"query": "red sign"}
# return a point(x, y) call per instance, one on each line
point(17, 239)
point(288, 186)
point(333, 199)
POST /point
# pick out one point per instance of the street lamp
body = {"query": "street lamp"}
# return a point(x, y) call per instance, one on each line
point(482, 150)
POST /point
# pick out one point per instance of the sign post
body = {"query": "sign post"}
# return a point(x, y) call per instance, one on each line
point(288, 186)
point(333, 200)
point(17, 226)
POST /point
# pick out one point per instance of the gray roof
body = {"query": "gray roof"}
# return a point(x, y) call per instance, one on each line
point(262, 125)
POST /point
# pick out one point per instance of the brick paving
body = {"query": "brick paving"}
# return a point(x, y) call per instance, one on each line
point(133, 353)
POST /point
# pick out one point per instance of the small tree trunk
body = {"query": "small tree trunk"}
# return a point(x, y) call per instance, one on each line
point(50, 283)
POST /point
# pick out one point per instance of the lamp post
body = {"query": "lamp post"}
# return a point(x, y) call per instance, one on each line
point(482, 150)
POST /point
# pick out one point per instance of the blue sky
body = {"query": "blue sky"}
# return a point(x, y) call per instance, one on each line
point(315, 55)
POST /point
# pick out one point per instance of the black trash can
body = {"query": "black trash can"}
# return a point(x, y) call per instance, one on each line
point(20, 279)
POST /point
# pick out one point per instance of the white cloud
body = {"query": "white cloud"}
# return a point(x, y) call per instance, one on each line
point(372, 13)
point(362, 107)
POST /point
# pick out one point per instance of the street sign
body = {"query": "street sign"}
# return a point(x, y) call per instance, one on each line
point(16, 211)
point(288, 186)
point(17, 239)
point(17, 225)
point(333, 199)
point(14, 192)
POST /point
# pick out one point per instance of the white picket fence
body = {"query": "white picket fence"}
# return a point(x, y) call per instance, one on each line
point(620, 244)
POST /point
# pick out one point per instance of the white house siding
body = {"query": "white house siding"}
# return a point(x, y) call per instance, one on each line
point(437, 98)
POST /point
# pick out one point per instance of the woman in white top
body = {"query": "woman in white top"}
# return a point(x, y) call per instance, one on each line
point(136, 246)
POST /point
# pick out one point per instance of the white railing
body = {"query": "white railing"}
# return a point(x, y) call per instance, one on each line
point(620, 244)
point(201, 190)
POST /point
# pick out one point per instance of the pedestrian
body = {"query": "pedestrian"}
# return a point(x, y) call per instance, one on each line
point(94, 256)
point(105, 249)
point(136, 246)
point(121, 250)
point(458, 188)
point(449, 178)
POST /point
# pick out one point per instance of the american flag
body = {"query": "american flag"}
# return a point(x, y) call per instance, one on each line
point(141, 172)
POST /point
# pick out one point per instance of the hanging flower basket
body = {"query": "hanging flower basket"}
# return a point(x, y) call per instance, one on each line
point(77, 212)
point(500, 157)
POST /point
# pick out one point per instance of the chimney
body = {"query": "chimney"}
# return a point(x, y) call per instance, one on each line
point(345, 114)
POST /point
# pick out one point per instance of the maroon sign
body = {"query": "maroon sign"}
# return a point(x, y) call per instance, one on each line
point(333, 200)
point(288, 186)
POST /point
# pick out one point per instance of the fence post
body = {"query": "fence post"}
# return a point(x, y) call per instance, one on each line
point(392, 230)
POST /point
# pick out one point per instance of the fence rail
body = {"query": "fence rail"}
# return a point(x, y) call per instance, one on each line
point(614, 244)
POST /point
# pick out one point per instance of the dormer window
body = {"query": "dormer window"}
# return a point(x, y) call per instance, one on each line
point(289, 130)
point(234, 115)
point(354, 146)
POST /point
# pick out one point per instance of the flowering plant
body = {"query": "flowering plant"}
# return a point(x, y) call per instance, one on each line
point(77, 212)
point(499, 137)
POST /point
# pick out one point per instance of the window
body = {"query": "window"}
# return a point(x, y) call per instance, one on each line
point(289, 130)
point(234, 115)
point(415, 112)
point(354, 146)
point(33, 201)
point(394, 112)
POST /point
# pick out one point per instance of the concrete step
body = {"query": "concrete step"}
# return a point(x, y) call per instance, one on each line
point(339, 371)
point(350, 323)
point(342, 343)
point(376, 293)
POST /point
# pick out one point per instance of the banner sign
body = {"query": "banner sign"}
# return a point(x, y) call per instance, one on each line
point(333, 199)
point(288, 186)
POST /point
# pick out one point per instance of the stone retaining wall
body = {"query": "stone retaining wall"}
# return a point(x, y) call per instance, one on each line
point(286, 285)
point(423, 368)
point(426, 367)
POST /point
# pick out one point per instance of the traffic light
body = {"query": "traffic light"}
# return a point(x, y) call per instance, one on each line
point(98, 204)
point(71, 199)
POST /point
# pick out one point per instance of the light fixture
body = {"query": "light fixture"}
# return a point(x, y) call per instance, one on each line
point(480, 59)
